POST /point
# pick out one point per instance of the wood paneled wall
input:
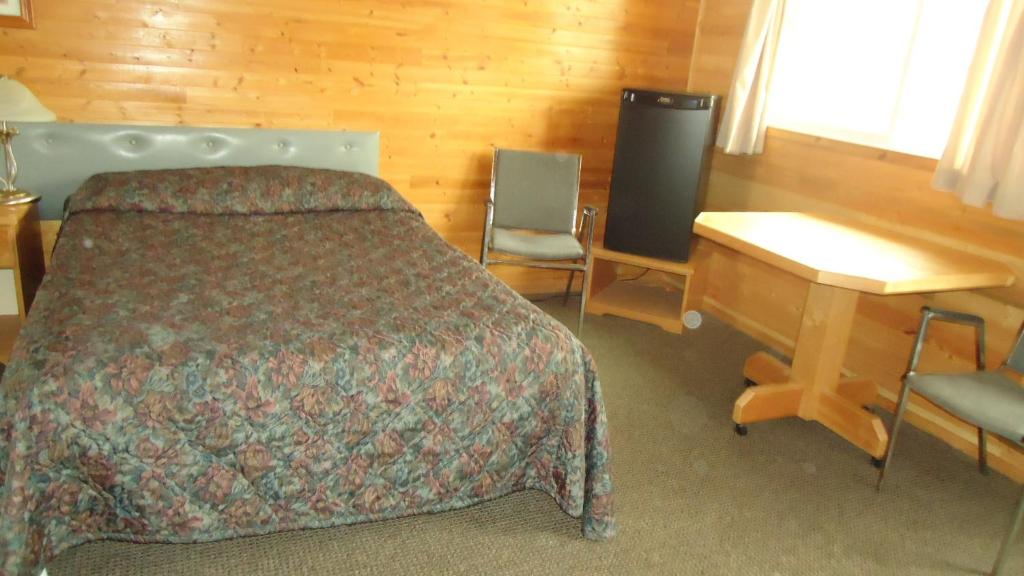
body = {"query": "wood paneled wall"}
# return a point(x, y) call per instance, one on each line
point(805, 173)
point(442, 80)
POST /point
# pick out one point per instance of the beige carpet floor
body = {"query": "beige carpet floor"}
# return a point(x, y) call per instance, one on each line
point(791, 498)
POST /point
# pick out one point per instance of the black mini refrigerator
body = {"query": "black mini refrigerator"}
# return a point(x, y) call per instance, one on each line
point(659, 176)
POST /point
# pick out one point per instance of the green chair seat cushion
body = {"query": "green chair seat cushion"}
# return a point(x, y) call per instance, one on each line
point(986, 399)
point(536, 246)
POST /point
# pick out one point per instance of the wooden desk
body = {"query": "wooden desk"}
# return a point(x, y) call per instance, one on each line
point(841, 259)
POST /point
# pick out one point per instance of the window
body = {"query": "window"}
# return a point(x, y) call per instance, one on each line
point(883, 73)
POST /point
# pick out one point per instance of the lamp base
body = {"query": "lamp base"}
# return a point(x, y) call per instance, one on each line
point(12, 197)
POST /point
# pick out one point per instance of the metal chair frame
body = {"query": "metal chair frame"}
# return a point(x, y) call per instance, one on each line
point(927, 315)
point(583, 232)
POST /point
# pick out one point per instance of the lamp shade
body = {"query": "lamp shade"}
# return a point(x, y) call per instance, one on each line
point(18, 104)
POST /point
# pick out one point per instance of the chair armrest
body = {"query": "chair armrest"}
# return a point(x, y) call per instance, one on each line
point(485, 243)
point(953, 316)
point(928, 314)
point(587, 229)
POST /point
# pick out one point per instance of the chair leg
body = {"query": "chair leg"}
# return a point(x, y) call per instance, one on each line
point(900, 409)
point(982, 451)
point(1018, 517)
point(568, 287)
point(583, 300)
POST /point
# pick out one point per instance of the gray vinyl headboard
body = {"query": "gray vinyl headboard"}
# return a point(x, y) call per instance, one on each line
point(54, 158)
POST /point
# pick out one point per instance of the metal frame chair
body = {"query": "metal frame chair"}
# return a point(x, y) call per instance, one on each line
point(537, 221)
point(939, 389)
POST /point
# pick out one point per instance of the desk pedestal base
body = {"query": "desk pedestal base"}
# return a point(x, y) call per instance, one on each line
point(812, 389)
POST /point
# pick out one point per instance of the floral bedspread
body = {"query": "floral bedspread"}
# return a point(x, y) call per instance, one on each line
point(225, 352)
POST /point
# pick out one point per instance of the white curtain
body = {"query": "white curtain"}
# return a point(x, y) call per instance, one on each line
point(744, 121)
point(984, 159)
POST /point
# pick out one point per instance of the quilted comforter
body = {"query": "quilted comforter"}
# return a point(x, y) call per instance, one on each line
point(225, 352)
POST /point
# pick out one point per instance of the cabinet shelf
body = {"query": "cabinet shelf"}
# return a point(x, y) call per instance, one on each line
point(660, 299)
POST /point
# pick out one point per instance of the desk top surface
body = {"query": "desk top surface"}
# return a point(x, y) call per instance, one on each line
point(850, 254)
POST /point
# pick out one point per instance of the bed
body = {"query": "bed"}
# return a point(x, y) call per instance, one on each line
point(219, 352)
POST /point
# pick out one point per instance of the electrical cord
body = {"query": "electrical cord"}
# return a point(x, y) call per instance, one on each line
point(641, 275)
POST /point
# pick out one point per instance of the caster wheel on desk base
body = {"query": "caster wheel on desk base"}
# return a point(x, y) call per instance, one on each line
point(741, 430)
point(877, 462)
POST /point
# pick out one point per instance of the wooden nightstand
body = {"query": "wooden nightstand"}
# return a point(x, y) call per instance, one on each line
point(21, 251)
point(660, 298)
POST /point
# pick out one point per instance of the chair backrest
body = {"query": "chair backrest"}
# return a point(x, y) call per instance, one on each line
point(535, 190)
point(1016, 358)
